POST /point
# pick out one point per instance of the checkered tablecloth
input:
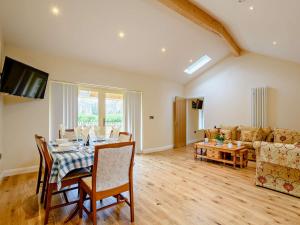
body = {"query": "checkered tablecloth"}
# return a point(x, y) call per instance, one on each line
point(65, 162)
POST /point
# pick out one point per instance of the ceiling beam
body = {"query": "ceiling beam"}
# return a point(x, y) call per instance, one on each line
point(200, 17)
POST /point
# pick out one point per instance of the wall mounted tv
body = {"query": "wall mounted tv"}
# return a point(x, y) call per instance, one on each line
point(22, 80)
point(197, 104)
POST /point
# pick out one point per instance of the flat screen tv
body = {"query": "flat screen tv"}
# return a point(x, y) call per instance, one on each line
point(197, 104)
point(22, 80)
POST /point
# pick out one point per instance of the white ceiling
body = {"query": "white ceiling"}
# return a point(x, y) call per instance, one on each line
point(271, 20)
point(88, 30)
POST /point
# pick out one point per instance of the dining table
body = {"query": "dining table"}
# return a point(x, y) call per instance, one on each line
point(71, 156)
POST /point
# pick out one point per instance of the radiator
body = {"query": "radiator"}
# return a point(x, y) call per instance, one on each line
point(259, 104)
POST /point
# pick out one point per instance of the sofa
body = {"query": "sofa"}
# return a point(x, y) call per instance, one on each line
point(251, 137)
point(278, 167)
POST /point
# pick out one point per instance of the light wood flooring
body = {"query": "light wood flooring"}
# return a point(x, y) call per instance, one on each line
point(170, 188)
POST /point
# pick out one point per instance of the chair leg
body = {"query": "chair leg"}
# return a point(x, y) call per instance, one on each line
point(48, 203)
point(94, 212)
point(39, 178)
point(44, 185)
point(131, 204)
point(81, 200)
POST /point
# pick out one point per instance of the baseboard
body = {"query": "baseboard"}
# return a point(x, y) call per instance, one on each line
point(157, 149)
point(17, 171)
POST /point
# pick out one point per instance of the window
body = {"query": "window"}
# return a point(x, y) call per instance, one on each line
point(88, 108)
point(113, 112)
point(200, 119)
point(198, 64)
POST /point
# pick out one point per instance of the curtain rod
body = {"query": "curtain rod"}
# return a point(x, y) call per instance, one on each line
point(93, 85)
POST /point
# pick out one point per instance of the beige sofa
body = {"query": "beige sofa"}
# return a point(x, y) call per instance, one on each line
point(278, 167)
point(252, 137)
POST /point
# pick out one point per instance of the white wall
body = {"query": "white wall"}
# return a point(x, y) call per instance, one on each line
point(23, 119)
point(227, 90)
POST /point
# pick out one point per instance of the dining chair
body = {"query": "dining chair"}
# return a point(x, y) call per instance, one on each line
point(68, 134)
point(74, 177)
point(112, 175)
point(125, 137)
point(41, 167)
point(114, 133)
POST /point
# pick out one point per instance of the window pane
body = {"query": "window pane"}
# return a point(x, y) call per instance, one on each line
point(113, 112)
point(88, 108)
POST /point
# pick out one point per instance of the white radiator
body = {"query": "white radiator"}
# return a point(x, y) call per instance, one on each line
point(259, 104)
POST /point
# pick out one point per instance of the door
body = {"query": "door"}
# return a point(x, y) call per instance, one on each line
point(179, 122)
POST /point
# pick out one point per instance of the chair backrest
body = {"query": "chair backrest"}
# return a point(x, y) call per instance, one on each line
point(113, 165)
point(125, 137)
point(46, 153)
point(67, 133)
point(38, 143)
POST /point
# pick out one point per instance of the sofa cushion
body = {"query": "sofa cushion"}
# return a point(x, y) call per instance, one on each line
point(284, 136)
point(258, 135)
point(266, 132)
point(233, 130)
point(247, 135)
point(227, 134)
point(211, 133)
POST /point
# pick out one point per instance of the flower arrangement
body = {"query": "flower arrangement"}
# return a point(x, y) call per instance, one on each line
point(220, 139)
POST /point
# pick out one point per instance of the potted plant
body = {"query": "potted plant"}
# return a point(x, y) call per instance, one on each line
point(220, 139)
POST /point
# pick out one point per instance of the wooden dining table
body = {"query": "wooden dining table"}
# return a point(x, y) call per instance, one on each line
point(72, 157)
point(68, 158)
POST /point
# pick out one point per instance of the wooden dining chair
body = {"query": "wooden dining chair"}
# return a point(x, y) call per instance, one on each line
point(125, 137)
point(41, 167)
point(74, 177)
point(112, 175)
point(114, 133)
point(68, 134)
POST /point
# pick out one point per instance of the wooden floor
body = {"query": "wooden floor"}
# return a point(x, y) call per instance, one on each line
point(170, 188)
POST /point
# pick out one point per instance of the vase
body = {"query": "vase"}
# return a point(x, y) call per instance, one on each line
point(219, 142)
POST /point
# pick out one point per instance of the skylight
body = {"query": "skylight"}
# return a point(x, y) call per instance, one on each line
point(198, 64)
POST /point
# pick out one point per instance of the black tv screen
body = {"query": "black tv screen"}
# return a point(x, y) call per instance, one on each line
point(22, 80)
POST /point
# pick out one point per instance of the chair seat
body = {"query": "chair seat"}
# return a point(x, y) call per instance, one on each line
point(78, 173)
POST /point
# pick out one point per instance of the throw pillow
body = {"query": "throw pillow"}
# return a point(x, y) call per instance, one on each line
point(211, 133)
point(233, 130)
point(258, 135)
point(227, 134)
point(266, 132)
point(247, 135)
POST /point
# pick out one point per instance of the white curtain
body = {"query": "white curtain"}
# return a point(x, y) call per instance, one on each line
point(63, 107)
point(133, 117)
point(259, 106)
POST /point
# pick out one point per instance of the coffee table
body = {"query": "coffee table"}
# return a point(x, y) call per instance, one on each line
point(220, 153)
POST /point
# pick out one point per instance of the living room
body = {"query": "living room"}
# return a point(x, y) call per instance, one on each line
point(188, 74)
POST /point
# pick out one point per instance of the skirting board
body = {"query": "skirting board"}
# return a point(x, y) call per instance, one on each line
point(12, 172)
point(157, 149)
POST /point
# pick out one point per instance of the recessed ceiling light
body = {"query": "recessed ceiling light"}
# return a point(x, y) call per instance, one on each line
point(191, 60)
point(55, 10)
point(198, 64)
point(121, 34)
point(274, 42)
point(163, 49)
point(251, 7)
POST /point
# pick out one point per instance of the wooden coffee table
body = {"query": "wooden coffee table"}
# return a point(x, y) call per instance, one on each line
point(220, 153)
